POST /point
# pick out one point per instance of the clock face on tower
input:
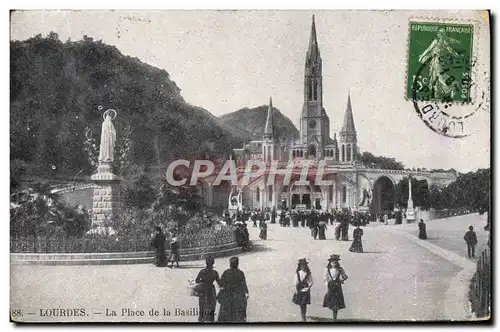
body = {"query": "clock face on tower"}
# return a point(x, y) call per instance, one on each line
point(312, 124)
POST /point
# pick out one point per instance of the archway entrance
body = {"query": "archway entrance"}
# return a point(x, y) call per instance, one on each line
point(383, 195)
point(301, 195)
point(311, 151)
point(295, 200)
point(306, 200)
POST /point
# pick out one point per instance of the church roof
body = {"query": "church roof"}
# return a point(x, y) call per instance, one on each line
point(348, 126)
point(269, 128)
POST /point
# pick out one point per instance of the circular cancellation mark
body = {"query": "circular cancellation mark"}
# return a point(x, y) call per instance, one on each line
point(443, 115)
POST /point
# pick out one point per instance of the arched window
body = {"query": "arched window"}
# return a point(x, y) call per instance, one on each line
point(257, 194)
point(344, 194)
point(330, 192)
point(348, 152)
point(343, 152)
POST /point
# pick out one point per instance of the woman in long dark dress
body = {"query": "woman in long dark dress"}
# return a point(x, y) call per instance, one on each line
point(357, 245)
point(422, 232)
point(159, 244)
point(207, 297)
point(303, 282)
point(263, 231)
point(233, 295)
point(322, 230)
point(334, 278)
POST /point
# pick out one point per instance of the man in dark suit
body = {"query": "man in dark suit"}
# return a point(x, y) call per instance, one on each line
point(471, 241)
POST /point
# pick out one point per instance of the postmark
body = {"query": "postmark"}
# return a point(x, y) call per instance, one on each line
point(441, 81)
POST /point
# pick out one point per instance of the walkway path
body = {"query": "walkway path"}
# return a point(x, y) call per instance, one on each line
point(395, 279)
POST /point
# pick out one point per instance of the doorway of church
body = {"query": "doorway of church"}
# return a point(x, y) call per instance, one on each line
point(306, 200)
point(317, 204)
point(295, 200)
point(312, 150)
point(283, 204)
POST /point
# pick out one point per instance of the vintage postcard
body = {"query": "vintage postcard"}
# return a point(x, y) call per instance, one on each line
point(250, 166)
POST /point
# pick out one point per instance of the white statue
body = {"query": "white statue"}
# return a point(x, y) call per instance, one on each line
point(108, 137)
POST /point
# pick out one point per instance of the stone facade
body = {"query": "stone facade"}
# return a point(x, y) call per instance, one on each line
point(106, 201)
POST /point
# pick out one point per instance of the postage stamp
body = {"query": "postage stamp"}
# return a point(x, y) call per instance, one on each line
point(439, 61)
point(441, 81)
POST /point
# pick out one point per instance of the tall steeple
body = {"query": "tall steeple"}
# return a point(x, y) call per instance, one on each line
point(348, 137)
point(268, 140)
point(313, 51)
point(348, 126)
point(269, 128)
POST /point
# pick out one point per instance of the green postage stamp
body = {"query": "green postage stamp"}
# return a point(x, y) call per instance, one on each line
point(439, 62)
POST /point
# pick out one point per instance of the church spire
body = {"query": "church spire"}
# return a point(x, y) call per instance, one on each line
point(348, 126)
point(313, 51)
point(269, 128)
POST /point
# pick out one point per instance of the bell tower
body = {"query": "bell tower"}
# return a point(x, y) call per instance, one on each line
point(314, 123)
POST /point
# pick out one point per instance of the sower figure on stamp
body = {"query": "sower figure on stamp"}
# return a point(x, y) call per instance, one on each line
point(441, 48)
point(303, 282)
point(233, 295)
point(334, 278)
point(471, 241)
point(207, 296)
point(159, 243)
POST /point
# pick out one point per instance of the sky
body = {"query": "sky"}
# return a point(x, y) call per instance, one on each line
point(226, 60)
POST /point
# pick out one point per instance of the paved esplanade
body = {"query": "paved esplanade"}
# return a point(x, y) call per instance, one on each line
point(395, 279)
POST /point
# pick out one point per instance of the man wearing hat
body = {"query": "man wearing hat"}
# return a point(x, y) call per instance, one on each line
point(334, 278)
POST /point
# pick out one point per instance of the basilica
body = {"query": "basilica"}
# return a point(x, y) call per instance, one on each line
point(313, 145)
point(348, 183)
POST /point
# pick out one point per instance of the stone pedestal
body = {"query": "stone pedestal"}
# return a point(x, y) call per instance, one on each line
point(363, 209)
point(410, 212)
point(106, 202)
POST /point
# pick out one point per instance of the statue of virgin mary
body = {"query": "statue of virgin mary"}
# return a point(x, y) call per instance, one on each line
point(108, 138)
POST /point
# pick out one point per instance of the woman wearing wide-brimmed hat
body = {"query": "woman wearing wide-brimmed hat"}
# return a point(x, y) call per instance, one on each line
point(303, 282)
point(334, 278)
